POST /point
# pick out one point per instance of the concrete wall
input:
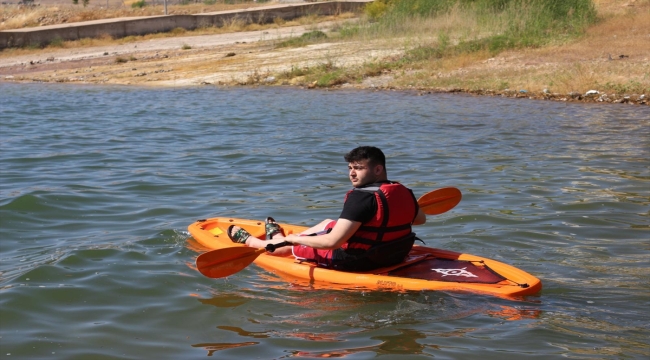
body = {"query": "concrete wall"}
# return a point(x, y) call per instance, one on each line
point(122, 27)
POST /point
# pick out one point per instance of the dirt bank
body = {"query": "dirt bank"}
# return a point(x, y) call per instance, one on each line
point(608, 54)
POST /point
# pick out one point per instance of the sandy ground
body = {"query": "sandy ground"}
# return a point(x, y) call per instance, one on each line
point(228, 59)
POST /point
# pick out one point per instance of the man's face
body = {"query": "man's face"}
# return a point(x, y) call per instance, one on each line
point(361, 173)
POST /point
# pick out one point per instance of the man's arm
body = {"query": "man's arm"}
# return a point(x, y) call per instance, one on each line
point(342, 231)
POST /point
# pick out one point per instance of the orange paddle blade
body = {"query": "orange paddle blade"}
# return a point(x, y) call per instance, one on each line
point(439, 201)
point(227, 261)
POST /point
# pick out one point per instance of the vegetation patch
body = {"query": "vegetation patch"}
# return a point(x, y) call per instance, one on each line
point(139, 4)
point(478, 25)
point(307, 38)
point(438, 30)
point(57, 42)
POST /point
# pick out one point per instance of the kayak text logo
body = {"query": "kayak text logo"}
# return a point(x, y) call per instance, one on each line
point(454, 272)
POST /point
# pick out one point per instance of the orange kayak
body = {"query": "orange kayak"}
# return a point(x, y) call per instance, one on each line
point(424, 269)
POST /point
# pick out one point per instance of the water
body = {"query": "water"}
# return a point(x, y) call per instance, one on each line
point(98, 185)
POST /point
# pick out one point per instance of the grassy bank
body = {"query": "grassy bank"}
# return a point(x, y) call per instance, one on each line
point(468, 26)
point(444, 42)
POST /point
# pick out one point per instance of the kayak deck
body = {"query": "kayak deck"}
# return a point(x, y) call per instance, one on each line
point(424, 269)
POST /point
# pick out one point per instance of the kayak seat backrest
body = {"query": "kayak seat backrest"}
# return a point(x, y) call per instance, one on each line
point(384, 254)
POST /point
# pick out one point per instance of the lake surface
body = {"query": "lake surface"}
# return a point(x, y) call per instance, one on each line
point(99, 184)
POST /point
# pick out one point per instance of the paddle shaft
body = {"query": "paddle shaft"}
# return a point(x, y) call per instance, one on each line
point(227, 261)
point(272, 247)
point(253, 254)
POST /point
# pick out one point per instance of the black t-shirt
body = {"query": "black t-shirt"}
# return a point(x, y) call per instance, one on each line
point(360, 206)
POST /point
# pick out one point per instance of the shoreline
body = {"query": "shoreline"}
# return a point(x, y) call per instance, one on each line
point(596, 97)
point(600, 98)
point(370, 83)
point(570, 72)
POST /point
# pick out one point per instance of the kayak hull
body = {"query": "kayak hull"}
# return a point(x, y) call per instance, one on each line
point(424, 269)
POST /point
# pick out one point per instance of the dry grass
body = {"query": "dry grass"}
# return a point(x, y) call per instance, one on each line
point(234, 25)
point(618, 7)
point(16, 17)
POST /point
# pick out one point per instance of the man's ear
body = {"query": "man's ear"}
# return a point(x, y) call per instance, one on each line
point(379, 169)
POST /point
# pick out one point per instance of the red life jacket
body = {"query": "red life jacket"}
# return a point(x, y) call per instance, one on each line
point(396, 211)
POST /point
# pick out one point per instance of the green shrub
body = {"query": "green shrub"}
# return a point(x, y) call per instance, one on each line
point(462, 27)
point(313, 35)
point(376, 9)
point(34, 45)
point(349, 31)
point(331, 78)
point(507, 23)
point(309, 37)
point(56, 42)
point(420, 53)
point(557, 9)
point(139, 4)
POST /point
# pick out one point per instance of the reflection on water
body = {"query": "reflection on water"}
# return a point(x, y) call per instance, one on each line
point(404, 343)
point(510, 313)
point(212, 348)
point(225, 301)
point(313, 316)
point(357, 321)
point(98, 185)
point(241, 332)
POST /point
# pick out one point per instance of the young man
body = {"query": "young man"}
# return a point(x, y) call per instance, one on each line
point(373, 230)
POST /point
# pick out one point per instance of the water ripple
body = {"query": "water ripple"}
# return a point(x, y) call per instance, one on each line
point(98, 185)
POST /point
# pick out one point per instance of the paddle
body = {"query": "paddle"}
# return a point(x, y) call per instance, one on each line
point(439, 201)
point(227, 261)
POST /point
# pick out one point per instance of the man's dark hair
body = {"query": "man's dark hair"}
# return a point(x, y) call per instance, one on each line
point(374, 155)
